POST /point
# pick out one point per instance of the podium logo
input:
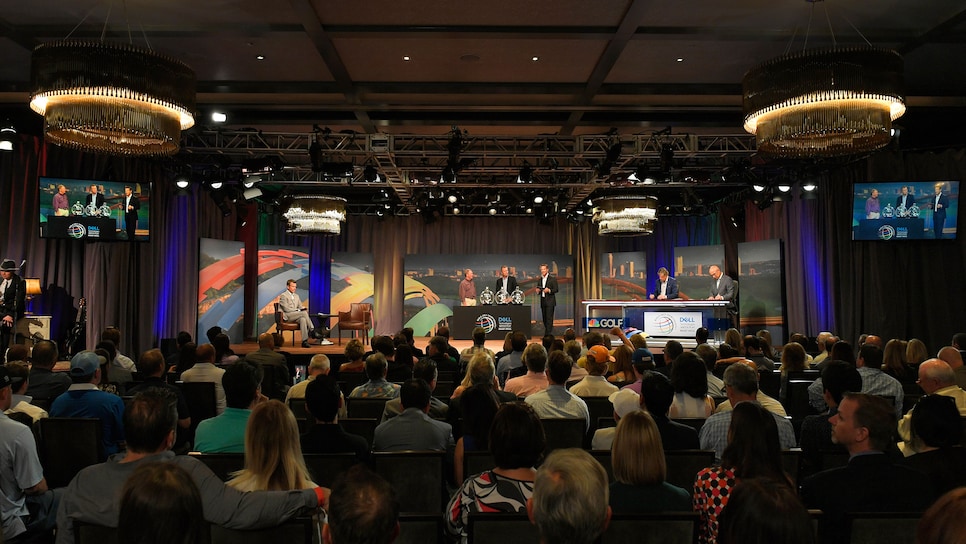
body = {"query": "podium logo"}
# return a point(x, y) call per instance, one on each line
point(887, 232)
point(664, 324)
point(487, 321)
point(76, 230)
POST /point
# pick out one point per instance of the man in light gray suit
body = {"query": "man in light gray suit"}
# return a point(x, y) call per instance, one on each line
point(413, 429)
point(292, 310)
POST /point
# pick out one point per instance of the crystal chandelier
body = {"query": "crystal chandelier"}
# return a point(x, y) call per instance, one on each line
point(824, 102)
point(625, 215)
point(315, 214)
point(112, 98)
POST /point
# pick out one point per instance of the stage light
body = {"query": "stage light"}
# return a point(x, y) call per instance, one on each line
point(538, 199)
point(218, 117)
point(181, 181)
point(7, 136)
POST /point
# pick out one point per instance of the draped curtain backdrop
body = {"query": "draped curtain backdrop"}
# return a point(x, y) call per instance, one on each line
point(149, 290)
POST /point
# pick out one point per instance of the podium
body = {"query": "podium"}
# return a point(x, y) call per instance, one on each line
point(496, 320)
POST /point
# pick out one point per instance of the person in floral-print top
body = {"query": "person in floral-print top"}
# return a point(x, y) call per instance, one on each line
point(517, 443)
point(753, 451)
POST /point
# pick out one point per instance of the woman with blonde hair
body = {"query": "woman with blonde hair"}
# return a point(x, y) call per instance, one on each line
point(916, 352)
point(733, 339)
point(354, 353)
point(894, 363)
point(480, 358)
point(623, 368)
point(273, 456)
point(637, 459)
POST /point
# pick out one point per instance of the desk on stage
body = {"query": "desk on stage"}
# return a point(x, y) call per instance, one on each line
point(497, 320)
point(658, 318)
point(79, 227)
point(890, 228)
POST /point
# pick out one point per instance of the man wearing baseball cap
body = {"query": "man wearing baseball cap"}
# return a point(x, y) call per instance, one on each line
point(643, 360)
point(84, 399)
point(27, 507)
point(625, 401)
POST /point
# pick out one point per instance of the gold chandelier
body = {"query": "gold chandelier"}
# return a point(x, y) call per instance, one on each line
point(112, 98)
point(824, 102)
point(625, 215)
point(315, 214)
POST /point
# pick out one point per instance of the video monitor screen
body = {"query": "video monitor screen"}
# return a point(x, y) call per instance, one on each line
point(905, 210)
point(78, 209)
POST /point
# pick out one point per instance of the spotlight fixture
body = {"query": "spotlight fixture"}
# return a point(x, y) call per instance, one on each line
point(492, 211)
point(758, 187)
point(452, 198)
point(217, 184)
point(219, 117)
point(784, 187)
point(181, 181)
point(538, 199)
point(112, 98)
point(809, 186)
point(7, 136)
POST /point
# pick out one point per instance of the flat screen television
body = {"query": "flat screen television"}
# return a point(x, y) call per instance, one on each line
point(905, 210)
point(78, 209)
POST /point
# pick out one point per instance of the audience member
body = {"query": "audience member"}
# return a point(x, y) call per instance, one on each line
point(622, 368)
point(150, 422)
point(514, 359)
point(871, 482)
point(275, 363)
point(84, 399)
point(741, 385)
point(113, 335)
point(690, 381)
point(594, 384)
point(753, 352)
point(937, 429)
point(44, 382)
point(793, 360)
point(535, 380)
point(452, 352)
point(187, 357)
point(954, 358)
point(624, 402)
point(710, 356)
point(160, 504)
point(151, 366)
point(479, 407)
point(408, 333)
point(224, 356)
point(413, 429)
point(874, 381)
point(517, 442)
point(437, 350)
point(769, 403)
point(479, 372)
point(20, 402)
point(319, 365)
point(916, 352)
point(273, 457)
point(838, 377)
point(28, 508)
point(355, 354)
point(767, 346)
point(752, 451)
point(424, 370)
point(114, 377)
point(656, 397)
point(377, 386)
point(570, 498)
point(765, 511)
point(324, 402)
point(842, 351)
point(894, 362)
point(555, 401)
point(204, 370)
point(225, 433)
point(935, 378)
point(363, 509)
point(640, 470)
point(172, 359)
point(945, 521)
point(823, 350)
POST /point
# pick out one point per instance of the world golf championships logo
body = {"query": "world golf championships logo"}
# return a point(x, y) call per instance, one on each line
point(886, 232)
point(487, 321)
point(76, 230)
point(664, 323)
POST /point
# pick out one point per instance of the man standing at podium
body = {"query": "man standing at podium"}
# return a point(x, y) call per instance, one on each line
point(292, 310)
point(131, 207)
point(547, 287)
point(467, 289)
point(723, 287)
point(12, 305)
point(506, 281)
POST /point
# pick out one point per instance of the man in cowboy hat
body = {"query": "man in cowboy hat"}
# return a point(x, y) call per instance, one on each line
point(11, 301)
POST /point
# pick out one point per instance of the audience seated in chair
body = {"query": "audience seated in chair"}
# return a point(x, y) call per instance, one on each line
point(151, 366)
point(363, 508)
point(535, 380)
point(20, 403)
point(517, 442)
point(765, 510)
point(657, 393)
point(640, 470)
point(624, 402)
point(44, 382)
point(377, 386)
point(84, 399)
point(424, 370)
point(937, 429)
point(324, 402)
point(413, 429)
point(225, 433)
point(204, 370)
point(570, 498)
point(160, 504)
point(838, 377)
point(935, 378)
point(555, 401)
point(150, 421)
point(479, 408)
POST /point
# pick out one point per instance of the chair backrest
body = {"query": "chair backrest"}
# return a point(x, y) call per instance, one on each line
point(269, 381)
point(694, 422)
point(362, 426)
point(350, 380)
point(361, 311)
point(684, 465)
point(297, 406)
point(419, 529)
point(604, 458)
point(200, 397)
point(770, 382)
point(876, 527)
point(796, 399)
point(791, 461)
point(417, 477)
point(475, 462)
point(500, 528)
point(598, 407)
point(563, 433)
point(90, 533)
point(662, 528)
point(278, 316)
point(68, 444)
point(222, 464)
point(325, 467)
point(366, 407)
point(294, 531)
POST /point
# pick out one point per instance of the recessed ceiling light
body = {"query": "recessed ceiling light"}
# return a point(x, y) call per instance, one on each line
point(534, 58)
point(260, 57)
point(680, 59)
point(406, 58)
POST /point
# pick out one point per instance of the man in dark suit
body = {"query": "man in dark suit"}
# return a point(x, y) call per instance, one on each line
point(723, 287)
point(816, 434)
point(666, 287)
point(940, 201)
point(871, 482)
point(905, 200)
point(657, 393)
point(131, 206)
point(12, 304)
point(506, 282)
point(547, 287)
point(94, 197)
